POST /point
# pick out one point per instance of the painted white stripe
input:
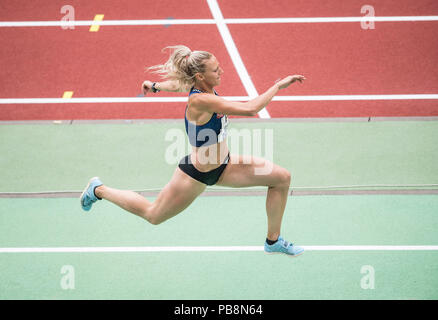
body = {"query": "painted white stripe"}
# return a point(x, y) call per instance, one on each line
point(207, 249)
point(371, 248)
point(105, 100)
point(231, 98)
point(167, 22)
point(234, 54)
point(358, 97)
point(331, 19)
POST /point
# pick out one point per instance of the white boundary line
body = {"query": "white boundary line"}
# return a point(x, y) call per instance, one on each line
point(234, 54)
point(78, 23)
point(231, 98)
point(207, 249)
point(103, 100)
point(358, 97)
point(169, 22)
point(331, 19)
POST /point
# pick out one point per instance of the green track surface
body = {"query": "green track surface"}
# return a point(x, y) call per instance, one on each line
point(64, 157)
point(216, 221)
point(132, 156)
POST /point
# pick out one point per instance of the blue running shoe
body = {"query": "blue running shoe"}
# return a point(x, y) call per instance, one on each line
point(283, 246)
point(88, 197)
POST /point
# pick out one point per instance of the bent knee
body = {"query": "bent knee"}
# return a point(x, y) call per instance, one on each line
point(283, 178)
point(154, 221)
point(151, 216)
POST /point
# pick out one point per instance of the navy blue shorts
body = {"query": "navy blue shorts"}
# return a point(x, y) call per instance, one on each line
point(209, 178)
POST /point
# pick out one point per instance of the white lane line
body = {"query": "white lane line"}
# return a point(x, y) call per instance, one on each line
point(78, 23)
point(231, 98)
point(331, 19)
point(358, 97)
point(105, 100)
point(234, 54)
point(208, 249)
point(168, 22)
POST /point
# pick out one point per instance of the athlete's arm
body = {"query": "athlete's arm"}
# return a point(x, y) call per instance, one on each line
point(169, 86)
point(213, 103)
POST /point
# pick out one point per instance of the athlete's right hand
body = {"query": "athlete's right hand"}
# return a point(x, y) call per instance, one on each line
point(286, 82)
point(146, 86)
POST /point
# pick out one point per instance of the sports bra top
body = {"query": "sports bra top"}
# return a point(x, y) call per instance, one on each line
point(212, 132)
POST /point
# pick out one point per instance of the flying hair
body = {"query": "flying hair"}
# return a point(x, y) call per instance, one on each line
point(182, 65)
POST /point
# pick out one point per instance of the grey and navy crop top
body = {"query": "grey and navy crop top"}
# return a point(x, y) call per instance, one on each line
point(212, 132)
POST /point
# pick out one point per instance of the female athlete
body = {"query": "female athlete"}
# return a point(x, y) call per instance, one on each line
point(210, 163)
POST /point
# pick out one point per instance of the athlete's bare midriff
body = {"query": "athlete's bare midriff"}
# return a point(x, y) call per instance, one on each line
point(208, 158)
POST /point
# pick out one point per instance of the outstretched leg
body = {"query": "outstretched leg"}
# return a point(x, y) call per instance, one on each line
point(177, 195)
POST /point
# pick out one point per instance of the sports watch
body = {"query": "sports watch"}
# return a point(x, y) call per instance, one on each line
point(153, 88)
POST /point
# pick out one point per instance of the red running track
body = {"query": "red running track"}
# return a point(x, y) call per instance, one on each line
point(342, 58)
point(35, 10)
point(325, 8)
point(49, 10)
point(45, 62)
point(337, 58)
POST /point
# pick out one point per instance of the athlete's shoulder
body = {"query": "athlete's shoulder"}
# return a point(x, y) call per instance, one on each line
point(205, 102)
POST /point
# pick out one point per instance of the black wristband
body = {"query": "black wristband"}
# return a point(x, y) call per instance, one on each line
point(154, 89)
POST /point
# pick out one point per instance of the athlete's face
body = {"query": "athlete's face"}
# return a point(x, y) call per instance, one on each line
point(213, 72)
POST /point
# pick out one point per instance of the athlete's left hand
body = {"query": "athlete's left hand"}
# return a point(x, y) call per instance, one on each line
point(286, 82)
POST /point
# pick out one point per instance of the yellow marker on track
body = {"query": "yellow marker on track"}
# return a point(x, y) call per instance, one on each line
point(67, 94)
point(95, 27)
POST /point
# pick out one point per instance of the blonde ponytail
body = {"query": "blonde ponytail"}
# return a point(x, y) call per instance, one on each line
point(183, 64)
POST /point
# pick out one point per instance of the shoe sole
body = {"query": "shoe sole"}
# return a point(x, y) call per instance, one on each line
point(83, 192)
point(289, 255)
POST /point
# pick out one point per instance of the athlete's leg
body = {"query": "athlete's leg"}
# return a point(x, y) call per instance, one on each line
point(248, 171)
point(177, 195)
